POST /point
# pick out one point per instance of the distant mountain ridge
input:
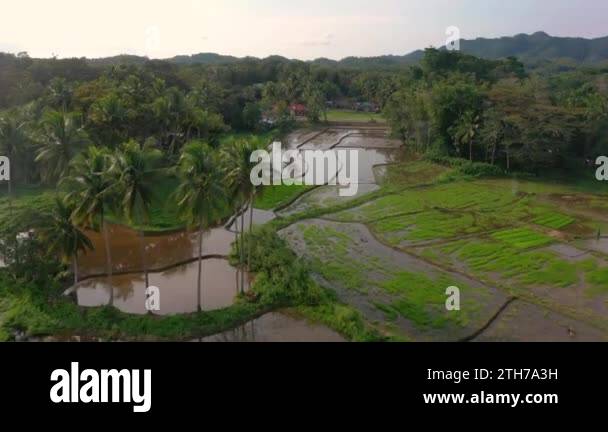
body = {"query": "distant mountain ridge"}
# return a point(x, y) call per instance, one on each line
point(531, 49)
point(537, 46)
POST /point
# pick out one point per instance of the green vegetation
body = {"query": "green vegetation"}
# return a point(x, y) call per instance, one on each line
point(162, 146)
point(272, 197)
point(522, 238)
point(554, 220)
point(334, 115)
point(40, 311)
point(335, 253)
point(492, 229)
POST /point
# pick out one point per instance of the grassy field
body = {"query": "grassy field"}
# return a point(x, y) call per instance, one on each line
point(353, 116)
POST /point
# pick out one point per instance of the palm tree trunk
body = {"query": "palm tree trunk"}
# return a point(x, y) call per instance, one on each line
point(236, 242)
point(471, 150)
point(242, 250)
point(10, 197)
point(75, 261)
point(250, 229)
point(10, 212)
point(144, 264)
point(200, 266)
point(106, 240)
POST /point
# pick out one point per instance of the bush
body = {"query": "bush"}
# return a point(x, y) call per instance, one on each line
point(280, 278)
point(442, 159)
point(464, 167)
point(480, 169)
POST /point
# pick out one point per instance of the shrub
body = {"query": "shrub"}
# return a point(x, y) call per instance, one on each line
point(480, 169)
point(280, 278)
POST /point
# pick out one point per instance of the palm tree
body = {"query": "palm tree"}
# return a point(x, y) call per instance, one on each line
point(13, 142)
point(465, 131)
point(135, 170)
point(199, 194)
point(60, 93)
point(64, 237)
point(110, 116)
point(62, 138)
point(90, 190)
point(169, 110)
point(237, 165)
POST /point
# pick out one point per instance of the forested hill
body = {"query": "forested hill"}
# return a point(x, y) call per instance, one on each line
point(533, 50)
point(535, 47)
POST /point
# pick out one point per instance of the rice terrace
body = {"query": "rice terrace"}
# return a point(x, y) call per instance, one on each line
point(478, 212)
point(527, 255)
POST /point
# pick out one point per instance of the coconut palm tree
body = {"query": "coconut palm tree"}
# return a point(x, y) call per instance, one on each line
point(136, 168)
point(236, 157)
point(13, 143)
point(91, 190)
point(465, 131)
point(199, 195)
point(61, 139)
point(60, 93)
point(64, 237)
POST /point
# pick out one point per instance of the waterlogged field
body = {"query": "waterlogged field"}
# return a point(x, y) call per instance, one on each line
point(402, 294)
point(530, 258)
point(512, 247)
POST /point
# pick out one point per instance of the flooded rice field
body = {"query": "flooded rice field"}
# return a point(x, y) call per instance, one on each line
point(324, 196)
point(525, 322)
point(162, 250)
point(374, 152)
point(381, 281)
point(178, 289)
point(600, 245)
point(173, 267)
point(277, 327)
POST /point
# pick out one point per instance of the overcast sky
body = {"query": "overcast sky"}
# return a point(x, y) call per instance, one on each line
point(302, 29)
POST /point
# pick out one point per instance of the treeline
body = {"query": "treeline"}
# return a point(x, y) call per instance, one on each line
point(451, 103)
point(495, 112)
point(51, 110)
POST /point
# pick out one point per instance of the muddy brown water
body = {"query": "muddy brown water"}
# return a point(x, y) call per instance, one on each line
point(178, 284)
point(277, 327)
point(162, 250)
point(178, 289)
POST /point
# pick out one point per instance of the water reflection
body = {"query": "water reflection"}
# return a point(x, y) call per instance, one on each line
point(178, 289)
point(162, 250)
point(277, 327)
